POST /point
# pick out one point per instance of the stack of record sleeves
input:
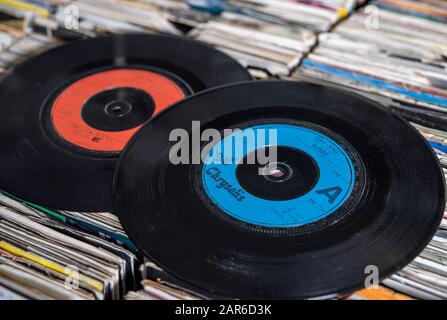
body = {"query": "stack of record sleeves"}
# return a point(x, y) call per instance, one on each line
point(394, 54)
point(425, 277)
point(17, 46)
point(91, 18)
point(270, 35)
point(46, 254)
point(314, 15)
point(122, 16)
point(429, 9)
point(275, 48)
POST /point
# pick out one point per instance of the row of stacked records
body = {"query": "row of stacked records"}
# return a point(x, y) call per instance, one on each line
point(393, 51)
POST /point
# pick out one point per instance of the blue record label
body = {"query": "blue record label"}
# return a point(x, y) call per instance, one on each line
point(332, 188)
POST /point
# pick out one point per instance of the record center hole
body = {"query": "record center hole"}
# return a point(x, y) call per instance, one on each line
point(118, 108)
point(277, 172)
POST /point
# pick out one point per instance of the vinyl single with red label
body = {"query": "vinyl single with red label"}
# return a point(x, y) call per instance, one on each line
point(68, 113)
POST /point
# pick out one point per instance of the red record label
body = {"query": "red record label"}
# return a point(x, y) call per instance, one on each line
point(66, 111)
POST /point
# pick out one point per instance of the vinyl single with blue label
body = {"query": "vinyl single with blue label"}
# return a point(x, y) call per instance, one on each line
point(312, 177)
point(286, 190)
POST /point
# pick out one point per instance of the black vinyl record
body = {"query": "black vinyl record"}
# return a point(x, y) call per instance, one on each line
point(67, 113)
point(355, 189)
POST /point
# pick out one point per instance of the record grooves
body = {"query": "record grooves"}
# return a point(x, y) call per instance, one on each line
point(359, 197)
point(84, 101)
